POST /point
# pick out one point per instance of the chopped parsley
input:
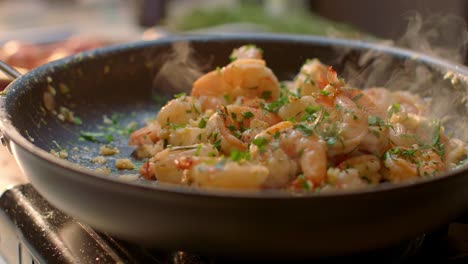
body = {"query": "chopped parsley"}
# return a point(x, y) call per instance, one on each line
point(393, 109)
point(202, 123)
point(325, 93)
point(276, 135)
point(96, 136)
point(195, 109)
point(217, 144)
point(331, 140)
point(304, 183)
point(438, 147)
point(356, 98)
point(233, 115)
point(197, 152)
point(175, 126)
point(306, 130)
point(266, 95)
point(260, 142)
point(310, 113)
point(375, 121)
point(408, 153)
point(77, 121)
point(277, 104)
point(298, 94)
point(239, 155)
point(57, 145)
point(247, 114)
point(180, 95)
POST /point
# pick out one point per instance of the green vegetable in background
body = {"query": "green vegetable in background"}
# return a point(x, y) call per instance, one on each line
point(297, 23)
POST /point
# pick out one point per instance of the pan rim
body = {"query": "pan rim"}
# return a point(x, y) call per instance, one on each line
point(10, 132)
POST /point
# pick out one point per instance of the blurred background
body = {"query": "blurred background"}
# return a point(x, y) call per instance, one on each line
point(33, 32)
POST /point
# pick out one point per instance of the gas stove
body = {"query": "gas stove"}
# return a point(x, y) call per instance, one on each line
point(33, 231)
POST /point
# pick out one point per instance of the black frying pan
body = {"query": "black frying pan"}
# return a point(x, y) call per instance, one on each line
point(120, 80)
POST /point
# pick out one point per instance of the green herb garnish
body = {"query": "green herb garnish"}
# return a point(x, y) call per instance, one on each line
point(266, 95)
point(307, 131)
point(96, 136)
point(260, 142)
point(355, 98)
point(277, 104)
point(247, 114)
point(77, 121)
point(239, 155)
point(331, 140)
point(202, 123)
point(197, 152)
point(180, 95)
point(375, 121)
point(393, 109)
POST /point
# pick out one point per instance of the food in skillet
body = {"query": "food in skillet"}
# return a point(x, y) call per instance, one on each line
point(241, 128)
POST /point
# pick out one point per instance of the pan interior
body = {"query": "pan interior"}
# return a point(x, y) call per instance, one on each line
point(111, 91)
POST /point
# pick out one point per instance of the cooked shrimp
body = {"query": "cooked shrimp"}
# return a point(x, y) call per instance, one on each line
point(229, 126)
point(298, 108)
point(342, 125)
point(367, 166)
point(410, 103)
point(145, 135)
point(382, 99)
point(212, 102)
point(223, 173)
point(376, 140)
point(285, 151)
point(364, 102)
point(344, 179)
point(402, 164)
point(179, 111)
point(239, 130)
point(186, 136)
point(246, 52)
point(455, 151)
point(148, 150)
point(311, 79)
point(409, 129)
point(163, 166)
point(243, 77)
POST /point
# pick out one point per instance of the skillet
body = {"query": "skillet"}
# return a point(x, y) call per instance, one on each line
point(120, 81)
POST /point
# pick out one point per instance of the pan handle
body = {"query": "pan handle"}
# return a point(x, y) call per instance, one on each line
point(13, 74)
point(9, 70)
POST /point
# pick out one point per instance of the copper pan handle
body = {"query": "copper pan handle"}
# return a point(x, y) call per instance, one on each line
point(9, 71)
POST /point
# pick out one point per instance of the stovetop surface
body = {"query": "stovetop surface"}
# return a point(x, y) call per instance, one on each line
point(33, 231)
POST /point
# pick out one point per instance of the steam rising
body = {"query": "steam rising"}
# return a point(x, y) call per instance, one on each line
point(442, 36)
point(179, 69)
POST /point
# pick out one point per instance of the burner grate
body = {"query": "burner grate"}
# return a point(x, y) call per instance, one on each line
point(33, 231)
